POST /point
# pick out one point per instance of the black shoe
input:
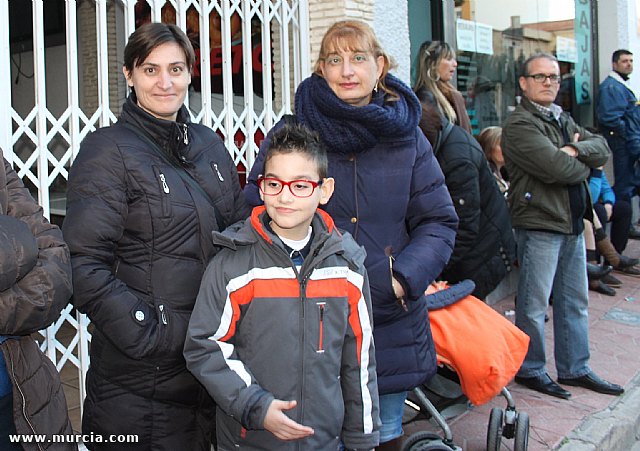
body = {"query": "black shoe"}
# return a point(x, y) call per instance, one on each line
point(629, 271)
point(613, 282)
point(634, 233)
point(591, 381)
point(627, 262)
point(596, 272)
point(601, 287)
point(544, 384)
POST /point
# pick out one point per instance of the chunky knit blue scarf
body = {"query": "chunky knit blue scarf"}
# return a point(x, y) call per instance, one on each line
point(350, 129)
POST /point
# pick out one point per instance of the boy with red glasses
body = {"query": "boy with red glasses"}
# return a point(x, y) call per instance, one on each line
point(281, 334)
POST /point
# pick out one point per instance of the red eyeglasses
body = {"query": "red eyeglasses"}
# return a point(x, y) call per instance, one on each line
point(271, 186)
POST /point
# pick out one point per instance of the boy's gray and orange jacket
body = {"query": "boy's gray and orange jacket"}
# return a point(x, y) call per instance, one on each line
point(263, 330)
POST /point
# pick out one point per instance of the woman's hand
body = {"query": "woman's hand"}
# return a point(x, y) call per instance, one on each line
point(281, 425)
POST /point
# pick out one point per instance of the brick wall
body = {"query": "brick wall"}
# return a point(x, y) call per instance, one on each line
point(322, 14)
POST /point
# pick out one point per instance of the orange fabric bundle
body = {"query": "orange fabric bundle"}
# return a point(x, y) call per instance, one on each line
point(485, 349)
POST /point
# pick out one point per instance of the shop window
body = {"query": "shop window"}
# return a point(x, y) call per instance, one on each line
point(494, 38)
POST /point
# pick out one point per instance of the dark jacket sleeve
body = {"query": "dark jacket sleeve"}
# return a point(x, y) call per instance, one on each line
point(431, 221)
point(592, 148)
point(360, 427)
point(539, 156)
point(35, 279)
point(612, 106)
point(239, 208)
point(211, 357)
point(96, 217)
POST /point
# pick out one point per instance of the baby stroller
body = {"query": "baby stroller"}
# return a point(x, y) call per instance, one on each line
point(478, 352)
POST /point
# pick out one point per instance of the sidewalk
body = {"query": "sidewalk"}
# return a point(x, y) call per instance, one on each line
point(588, 420)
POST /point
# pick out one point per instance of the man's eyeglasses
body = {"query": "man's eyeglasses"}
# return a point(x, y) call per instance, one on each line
point(270, 186)
point(541, 78)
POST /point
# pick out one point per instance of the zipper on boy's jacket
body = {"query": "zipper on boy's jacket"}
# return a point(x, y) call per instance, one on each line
point(321, 307)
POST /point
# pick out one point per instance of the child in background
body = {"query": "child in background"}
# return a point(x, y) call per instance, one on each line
point(281, 335)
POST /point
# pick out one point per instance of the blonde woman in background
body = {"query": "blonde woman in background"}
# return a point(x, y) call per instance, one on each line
point(436, 68)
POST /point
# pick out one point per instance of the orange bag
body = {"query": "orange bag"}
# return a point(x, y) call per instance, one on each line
point(485, 349)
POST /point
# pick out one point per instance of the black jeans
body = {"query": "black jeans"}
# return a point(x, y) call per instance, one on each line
point(620, 222)
point(6, 424)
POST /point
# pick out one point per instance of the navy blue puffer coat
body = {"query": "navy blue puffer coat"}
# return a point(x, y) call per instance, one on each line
point(392, 196)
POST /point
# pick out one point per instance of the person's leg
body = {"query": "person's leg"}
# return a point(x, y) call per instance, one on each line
point(623, 168)
point(589, 240)
point(391, 410)
point(620, 224)
point(601, 213)
point(570, 310)
point(538, 257)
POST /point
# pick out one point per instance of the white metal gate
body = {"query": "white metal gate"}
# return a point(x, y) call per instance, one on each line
point(59, 93)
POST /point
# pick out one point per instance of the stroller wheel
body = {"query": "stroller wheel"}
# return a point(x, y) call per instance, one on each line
point(425, 441)
point(521, 439)
point(494, 430)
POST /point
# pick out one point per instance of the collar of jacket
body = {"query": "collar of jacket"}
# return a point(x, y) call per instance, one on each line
point(252, 229)
point(171, 136)
point(531, 108)
point(256, 222)
point(616, 76)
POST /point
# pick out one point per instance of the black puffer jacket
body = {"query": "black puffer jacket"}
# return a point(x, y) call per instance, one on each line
point(35, 284)
point(139, 230)
point(485, 248)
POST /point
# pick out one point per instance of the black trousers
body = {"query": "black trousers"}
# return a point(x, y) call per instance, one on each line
point(620, 222)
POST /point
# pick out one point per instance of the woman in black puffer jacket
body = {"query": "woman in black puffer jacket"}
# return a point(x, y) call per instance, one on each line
point(485, 249)
point(144, 196)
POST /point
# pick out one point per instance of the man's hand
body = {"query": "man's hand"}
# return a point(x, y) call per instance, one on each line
point(281, 425)
point(569, 150)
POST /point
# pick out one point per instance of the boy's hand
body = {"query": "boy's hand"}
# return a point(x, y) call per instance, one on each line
point(281, 425)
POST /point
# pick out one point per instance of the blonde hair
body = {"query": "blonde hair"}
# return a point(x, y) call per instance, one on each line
point(354, 35)
point(430, 55)
point(489, 138)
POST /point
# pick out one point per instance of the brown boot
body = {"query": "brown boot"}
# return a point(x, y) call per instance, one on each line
point(606, 249)
point(391, 445)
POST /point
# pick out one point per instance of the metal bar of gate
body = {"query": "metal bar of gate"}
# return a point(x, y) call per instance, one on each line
point(5, 82)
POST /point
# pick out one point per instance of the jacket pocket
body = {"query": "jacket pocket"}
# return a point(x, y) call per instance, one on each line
point(164, 192)
point(172, 330)
point(543, 202)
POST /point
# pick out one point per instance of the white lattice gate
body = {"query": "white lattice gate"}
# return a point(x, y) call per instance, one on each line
point(66, 80)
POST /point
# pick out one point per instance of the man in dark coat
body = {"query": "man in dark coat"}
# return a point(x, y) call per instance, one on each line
point(549, 157)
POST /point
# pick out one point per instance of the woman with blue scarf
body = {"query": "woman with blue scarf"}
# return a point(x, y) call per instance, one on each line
point(390, 195)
